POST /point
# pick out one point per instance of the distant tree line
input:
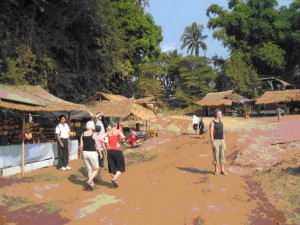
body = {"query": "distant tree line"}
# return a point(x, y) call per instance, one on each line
point(75, 48)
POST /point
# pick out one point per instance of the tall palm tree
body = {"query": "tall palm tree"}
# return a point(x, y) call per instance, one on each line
point(193, 39)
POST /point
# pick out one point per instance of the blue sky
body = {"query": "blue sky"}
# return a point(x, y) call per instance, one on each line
point(174, 15)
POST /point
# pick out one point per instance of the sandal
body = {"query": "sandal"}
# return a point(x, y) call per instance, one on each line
point(224, 173)
point(114, 182)
point(90, 186)
point(216, 173)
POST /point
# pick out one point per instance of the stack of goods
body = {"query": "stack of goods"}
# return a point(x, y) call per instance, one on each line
point(9, 130)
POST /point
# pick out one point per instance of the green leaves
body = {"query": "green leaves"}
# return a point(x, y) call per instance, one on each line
point(192, 38)
point(258, 28)
point(272, 55)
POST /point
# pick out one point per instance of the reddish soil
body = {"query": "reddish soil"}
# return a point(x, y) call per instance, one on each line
point(169, 180)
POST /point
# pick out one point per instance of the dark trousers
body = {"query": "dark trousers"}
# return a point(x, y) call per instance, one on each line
point(63, 153)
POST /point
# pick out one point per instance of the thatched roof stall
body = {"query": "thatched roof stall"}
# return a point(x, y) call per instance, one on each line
point(149, 102)
point(271, 97)
point(225, 98)
point(121, 108)
point(33, 98)
point(100, 96)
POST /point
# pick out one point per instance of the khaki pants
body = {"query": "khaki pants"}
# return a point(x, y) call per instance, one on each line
point(219, 152)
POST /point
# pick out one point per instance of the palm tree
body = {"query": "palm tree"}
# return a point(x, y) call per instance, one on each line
point(193, 39)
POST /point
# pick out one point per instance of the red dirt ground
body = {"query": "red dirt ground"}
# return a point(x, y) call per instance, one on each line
point(169, 181)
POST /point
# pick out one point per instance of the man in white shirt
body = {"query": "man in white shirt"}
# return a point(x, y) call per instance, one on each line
point(62, 134)
point(99, 123)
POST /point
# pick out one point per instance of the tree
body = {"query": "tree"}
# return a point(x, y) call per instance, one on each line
point(192, 38)
point(196, 79)
point(239, 76)
point(73, 47)
point(270, 36)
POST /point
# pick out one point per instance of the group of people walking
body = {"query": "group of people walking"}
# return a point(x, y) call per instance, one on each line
point(95, 144)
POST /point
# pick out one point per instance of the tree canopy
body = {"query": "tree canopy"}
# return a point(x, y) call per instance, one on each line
point(268, 34)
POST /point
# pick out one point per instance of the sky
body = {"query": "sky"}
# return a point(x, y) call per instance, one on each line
point(174, 15)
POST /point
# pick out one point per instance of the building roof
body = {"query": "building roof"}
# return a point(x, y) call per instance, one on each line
point(33, 98)
point(220, 98)
point(270, 97)
point(284, 83)
point(100, 96)
point(148, 100)
point(121, 108)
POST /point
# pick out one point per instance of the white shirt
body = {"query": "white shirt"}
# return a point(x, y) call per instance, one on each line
point(195, 119)
point(99, 123)
point(62, 130)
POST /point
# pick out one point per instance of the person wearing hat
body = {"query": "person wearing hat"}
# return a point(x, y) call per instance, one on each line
point(217, 137)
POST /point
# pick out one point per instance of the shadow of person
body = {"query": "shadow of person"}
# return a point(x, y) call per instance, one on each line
point(195, 170)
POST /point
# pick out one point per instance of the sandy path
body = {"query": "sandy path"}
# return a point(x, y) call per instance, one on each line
point(177, 187)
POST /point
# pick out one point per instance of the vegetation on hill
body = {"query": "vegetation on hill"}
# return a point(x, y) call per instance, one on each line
point(75, 48)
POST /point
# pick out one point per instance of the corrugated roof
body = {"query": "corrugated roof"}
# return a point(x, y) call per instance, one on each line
point(122, 108)
point(33, 98)
point(279, 96)
point(219, 98)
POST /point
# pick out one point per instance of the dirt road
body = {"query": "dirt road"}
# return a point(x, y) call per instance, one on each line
point(169, 181)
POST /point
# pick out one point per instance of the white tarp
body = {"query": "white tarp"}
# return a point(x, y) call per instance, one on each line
point(11, 155)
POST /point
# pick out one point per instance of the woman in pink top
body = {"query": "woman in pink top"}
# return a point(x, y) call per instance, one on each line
point(115, 157)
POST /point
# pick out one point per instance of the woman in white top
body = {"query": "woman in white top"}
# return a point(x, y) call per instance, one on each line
point(195, 124)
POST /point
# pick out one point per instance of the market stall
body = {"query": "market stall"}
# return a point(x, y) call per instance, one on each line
point(126, 110)
point(26, 136)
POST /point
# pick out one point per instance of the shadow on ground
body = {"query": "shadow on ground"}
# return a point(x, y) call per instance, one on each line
point(194, 170)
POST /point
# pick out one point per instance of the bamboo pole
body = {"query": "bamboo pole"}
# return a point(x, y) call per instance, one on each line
point(23, 144)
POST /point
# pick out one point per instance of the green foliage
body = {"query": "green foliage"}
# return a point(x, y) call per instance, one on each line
point(192, 38)
point(270, 35)
point(272, 55)
point(239, 76)
point(195, 80)
point(73, 47)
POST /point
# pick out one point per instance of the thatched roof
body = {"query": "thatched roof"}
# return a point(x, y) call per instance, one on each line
point(148, 100)
point(33, 98)
point(270, 97)
point(225, 98)
point(121, 108)
point(100, 96)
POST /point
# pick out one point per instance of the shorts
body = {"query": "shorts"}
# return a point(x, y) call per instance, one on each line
point(90, 159)
point(219, 152)
point(116, 161)
point(195, 126)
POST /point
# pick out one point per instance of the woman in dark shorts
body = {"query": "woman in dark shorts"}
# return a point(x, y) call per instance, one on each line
point(201, 128)
point(115, 157)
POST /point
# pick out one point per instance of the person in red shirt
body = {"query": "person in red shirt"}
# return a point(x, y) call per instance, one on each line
point(115, 157)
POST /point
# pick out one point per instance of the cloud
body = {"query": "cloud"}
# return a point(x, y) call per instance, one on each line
point(169, 46)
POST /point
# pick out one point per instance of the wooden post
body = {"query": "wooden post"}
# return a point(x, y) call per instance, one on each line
point(146, 129)
point(23, 144)
point(69, 140)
